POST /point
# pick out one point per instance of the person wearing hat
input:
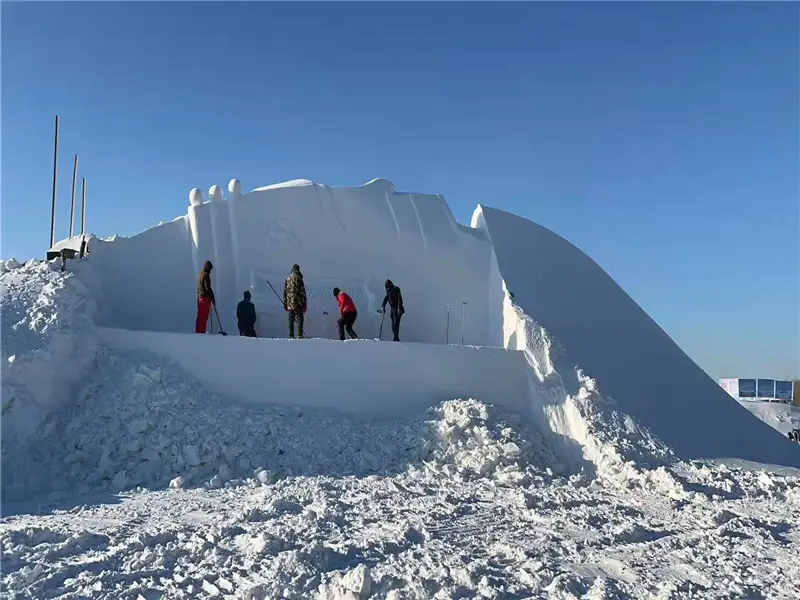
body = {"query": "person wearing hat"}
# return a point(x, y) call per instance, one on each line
point(205, 297)
point(294, 300)
point(246, 316)
point(395, 300)
point(347, 313)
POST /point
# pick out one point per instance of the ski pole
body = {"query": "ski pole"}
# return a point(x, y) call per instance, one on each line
point(447, 331)
point(463, 305)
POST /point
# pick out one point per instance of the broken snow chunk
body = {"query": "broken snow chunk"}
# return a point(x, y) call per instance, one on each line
point(225, 472)
point(210, 589)
point(120, 481)
point(138, 426)
point(511, 450)
point(178, 483)
point(150, 454)
point(264, 476)
point(243, 464)
point(191, 455)
point(358, 581)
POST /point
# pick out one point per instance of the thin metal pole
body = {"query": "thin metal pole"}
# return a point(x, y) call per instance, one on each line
point(447, 334)
point(463, 304)
point(53, 205)
point(72, 203)
point(83, 204)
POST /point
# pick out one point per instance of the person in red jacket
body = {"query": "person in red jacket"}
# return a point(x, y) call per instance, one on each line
point(347, 313)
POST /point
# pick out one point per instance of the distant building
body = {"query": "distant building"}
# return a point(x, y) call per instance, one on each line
point(765, 390)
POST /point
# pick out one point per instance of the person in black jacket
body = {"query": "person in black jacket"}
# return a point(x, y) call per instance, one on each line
point(246, 316)
point(395, 300)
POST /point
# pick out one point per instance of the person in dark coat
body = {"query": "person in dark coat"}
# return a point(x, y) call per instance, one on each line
point(347, 313)
point(294, 300)
point(205, 297)
point(395, 300)
point(246, 316)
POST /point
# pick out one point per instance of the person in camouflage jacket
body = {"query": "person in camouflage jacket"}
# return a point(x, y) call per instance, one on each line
point(294, 300)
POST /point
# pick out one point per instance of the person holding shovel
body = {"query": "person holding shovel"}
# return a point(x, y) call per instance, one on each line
point(394, 298)
point(205, 297)
point(347, 313)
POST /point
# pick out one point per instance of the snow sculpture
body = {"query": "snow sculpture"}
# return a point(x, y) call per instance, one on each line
point(195, 197)
point(234, 189)
point(215, 194)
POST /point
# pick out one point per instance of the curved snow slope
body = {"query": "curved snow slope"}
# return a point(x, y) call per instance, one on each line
point(350, 237)
point(635, 363)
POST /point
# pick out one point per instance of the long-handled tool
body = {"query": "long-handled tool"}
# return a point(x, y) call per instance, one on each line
point(219, 323)
point(276, 295)
point(380, 329)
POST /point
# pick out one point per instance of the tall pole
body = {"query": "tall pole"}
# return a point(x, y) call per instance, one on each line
point(447, 331)
point(463, 305)
point(53, 205)
point(72, 204)
point(83, 204)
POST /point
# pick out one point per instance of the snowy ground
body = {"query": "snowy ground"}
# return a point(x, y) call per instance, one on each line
point(147, 485)
point(719, 533)
point(783, 417)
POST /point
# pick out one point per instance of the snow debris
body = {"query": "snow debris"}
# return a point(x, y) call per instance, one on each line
point(357, 581)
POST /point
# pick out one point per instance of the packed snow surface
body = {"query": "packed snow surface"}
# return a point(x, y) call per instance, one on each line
point(781, 416)
point(125, 475)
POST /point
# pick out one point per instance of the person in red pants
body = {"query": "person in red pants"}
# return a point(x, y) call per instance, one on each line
point(205, 297)
point(347, 313)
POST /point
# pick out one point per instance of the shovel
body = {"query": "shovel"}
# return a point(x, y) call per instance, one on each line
point(219, 322)
point(380, 329)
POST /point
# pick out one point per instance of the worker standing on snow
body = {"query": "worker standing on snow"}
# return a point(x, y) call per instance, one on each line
point(205, 297)
point(395, 299)
point(294, 300)
point(347, 313)
point(246, 316)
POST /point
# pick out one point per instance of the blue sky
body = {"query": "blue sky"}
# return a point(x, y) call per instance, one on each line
point(661, 138)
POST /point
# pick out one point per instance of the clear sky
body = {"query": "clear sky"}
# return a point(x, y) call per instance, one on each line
point(661, 138)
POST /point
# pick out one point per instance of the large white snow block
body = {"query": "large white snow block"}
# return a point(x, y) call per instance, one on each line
point(363, 376)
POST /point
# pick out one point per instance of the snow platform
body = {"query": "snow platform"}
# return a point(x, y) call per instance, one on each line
point(357, 376)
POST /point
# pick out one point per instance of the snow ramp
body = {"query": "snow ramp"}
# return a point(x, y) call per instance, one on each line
point(605, 334)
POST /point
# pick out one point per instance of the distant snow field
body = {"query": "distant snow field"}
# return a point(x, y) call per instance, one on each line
point(124, 475)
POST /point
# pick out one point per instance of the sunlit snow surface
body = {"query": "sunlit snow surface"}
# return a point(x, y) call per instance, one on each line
point(149, 485)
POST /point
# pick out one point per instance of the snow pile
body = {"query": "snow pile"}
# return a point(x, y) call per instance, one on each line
point(48, 343)
point(142, 421)
point(617, 446)
point(414, 536)
point(468, 439)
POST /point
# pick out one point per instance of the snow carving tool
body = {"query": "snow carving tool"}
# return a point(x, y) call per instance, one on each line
point(219, 323)
point(276, 294)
